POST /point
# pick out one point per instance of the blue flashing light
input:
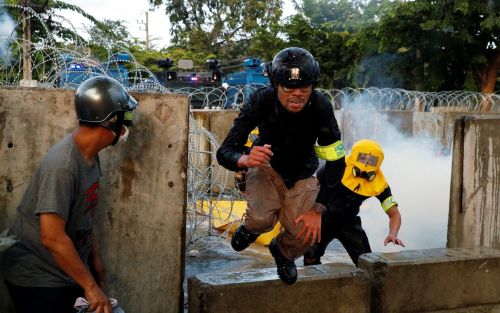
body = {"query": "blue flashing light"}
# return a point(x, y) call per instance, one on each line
point(77, 66)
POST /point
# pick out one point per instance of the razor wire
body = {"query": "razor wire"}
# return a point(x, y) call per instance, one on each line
point(53, 63)
point(208, 183)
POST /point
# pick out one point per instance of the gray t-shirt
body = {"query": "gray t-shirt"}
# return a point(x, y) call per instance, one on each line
point(65, 184)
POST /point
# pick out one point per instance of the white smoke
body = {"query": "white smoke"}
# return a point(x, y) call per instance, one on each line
point(419, 175)
point(7, 34)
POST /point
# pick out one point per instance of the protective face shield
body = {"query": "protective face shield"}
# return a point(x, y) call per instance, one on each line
point(294, 68)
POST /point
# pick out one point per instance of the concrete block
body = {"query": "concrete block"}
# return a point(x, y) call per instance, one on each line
point(474, 218)
point(220, 123)
point(432, 280)
point(328, 288)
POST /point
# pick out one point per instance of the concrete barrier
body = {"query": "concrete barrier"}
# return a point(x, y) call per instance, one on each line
point(474, 215)
point(140, 223)
point(329, 288)
point(434, 279)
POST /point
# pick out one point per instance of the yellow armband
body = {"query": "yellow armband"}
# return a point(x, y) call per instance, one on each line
point(332, 152)
point(388, 203)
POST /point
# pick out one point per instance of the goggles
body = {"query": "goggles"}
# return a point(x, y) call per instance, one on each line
point(286, 89)
point(128, 118)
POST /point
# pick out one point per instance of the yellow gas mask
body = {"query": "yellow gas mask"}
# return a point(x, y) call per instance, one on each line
point(363, 174)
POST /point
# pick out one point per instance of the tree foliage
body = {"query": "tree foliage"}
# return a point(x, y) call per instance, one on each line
point(49, 15)
point(217, 26)
point(449, 44)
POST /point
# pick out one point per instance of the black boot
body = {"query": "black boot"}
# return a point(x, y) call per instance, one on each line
point(242, 238)
point(287, 270)
point(310, 258)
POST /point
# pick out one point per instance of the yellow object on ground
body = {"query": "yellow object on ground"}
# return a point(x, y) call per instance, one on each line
point(230, 214)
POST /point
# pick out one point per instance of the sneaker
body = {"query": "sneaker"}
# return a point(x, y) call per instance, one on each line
point(242, 238)
point(287, 271)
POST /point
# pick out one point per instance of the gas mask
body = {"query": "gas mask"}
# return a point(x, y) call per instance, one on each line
point(117, 123)
point(123, 137)
point(369, 176)
point(366, 161)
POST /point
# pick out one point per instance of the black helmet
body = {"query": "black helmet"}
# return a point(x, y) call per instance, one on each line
point(99, 99)
point(294, 67)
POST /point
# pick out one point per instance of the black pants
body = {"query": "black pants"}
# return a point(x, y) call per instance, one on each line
point(44, 299)
point(347, 230)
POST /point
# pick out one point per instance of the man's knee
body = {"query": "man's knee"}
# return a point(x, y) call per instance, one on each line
point(260, 224)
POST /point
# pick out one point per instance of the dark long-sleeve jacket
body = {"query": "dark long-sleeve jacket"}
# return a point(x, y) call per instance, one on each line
point(292, 137)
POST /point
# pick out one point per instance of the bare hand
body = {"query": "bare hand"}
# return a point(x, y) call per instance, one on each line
point(99, 269)
point(259, 155)
point(394, 240)
point(98, 301)
point(311, 229)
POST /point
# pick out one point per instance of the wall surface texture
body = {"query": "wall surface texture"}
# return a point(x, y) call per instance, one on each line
point(140, 222)
point(474, 216)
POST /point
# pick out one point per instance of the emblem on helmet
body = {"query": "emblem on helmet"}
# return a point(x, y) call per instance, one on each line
point(295, 73)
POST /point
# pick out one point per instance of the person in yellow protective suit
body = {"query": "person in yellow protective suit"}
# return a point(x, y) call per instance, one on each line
point(362, 179)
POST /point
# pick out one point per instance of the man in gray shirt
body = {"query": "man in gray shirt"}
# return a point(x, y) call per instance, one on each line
point(55, 259)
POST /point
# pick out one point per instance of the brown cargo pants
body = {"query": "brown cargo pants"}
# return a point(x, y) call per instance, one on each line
point(269, 200)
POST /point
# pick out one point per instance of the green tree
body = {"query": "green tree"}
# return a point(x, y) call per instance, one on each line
point(266, 42)
point(330, 30)
point(450, 44)
point(217, 26)
point(48, 20)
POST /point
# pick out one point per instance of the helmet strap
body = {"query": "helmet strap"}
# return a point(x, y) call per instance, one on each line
point(114, 124)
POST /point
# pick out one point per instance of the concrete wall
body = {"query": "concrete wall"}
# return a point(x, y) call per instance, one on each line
point(434, 279)
point(140, 225)
point(474, 216)
point(218, 122)
point(331, 288)
point(438, 126)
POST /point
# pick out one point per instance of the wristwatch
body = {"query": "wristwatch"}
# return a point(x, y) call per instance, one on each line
point(318, 207)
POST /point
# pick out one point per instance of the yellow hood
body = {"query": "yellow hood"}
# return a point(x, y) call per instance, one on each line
point(362, 149)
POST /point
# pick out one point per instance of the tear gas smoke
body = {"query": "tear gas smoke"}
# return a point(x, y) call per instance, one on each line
point(7, 26)
point(419, 175)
